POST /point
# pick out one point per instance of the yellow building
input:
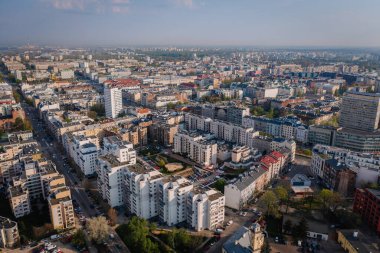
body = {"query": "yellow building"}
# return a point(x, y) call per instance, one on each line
point(353, 241)
point(60, 204)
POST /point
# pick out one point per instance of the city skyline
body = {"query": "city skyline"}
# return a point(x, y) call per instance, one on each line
point(271, 23)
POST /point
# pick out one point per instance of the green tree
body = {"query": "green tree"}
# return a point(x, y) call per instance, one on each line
point(98, 229)
point(370, 89)
point(219, 184)
point(325, 196)
point(99, 109)
point(335, 201)
point(288, 226)
point(348, 219)
point(79, 238)
point(300, 230)
point(16, 96)
point(161, 163)
point(257, 111)
point(269, 203)
point(19, 124)
point(92, 114)
point(135, 234)
point(281, 193)
point(170, 106)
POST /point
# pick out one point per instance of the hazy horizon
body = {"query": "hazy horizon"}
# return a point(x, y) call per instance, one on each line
point(191, 23)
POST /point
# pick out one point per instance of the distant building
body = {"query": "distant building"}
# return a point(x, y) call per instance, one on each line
point(113, 101)
point(360, 111)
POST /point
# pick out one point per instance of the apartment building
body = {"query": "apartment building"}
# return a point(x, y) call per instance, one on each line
point(286, 127)
point(360, 111)
point(84, 151)
point(198, 147)
point(60, 204)
point(236, 114)
point(162, 134)
point(35, 177)
point(365, 165)
point(243, 189)
point(367, 204)
point(173, 193)
point(222, 130)
point(273, 163)
point(116, 156)
point(113, 101)
point(205, 209)
point(338, 177)
point(9, 235)
point(141, 191)
point(19, 201)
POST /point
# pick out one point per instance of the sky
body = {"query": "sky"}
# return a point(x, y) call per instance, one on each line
point(326, 23)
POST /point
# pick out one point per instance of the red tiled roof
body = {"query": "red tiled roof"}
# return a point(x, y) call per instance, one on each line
point(268, 160)
point(122, 82)
point(276, 154)
point(143, 110)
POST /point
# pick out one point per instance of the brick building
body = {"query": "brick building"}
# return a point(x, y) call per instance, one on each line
point(367, 204)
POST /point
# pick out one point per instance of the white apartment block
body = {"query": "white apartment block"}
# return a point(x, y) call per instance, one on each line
point(110, 179)
point(67, 74)
point(84, 151)
point(366, 166)
point(239, 192)
point(173, 194)
point(141, 191)
point(88, 155)
point(117, 156)
point(113, 101)
point(198, 147)
point(19, 201)
point(222, 130)
point(205, 209)
point(119, 148)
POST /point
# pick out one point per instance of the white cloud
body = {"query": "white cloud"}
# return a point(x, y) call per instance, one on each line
point(186, 3)
point(68, 4)
point(120, 1)
point(120, 9)
point(95, 6)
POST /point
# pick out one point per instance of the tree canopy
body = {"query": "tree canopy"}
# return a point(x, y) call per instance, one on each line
point(135, 234)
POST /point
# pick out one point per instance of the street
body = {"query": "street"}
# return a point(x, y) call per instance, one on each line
point(51, 150)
